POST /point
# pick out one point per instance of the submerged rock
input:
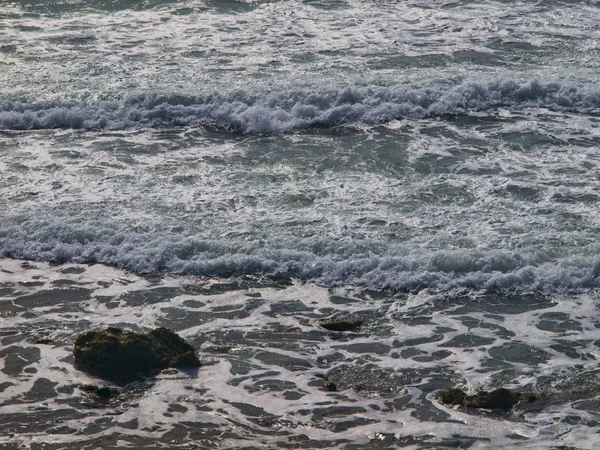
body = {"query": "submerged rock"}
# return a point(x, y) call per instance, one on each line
point(122, 356)
point(369, 379)
point(342, 324)
point(497, 399)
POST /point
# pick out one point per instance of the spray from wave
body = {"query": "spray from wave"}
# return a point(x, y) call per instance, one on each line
point(291, 110)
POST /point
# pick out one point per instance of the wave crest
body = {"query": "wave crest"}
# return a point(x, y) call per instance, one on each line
point(290, 110)
point(439, 271)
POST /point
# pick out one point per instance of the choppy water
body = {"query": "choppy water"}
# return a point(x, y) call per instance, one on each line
point(430, 166)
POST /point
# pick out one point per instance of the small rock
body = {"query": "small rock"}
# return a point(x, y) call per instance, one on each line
point(104, 392)
point(331, 386)
point(342, 324)
point(528, 398)
point(498, 399)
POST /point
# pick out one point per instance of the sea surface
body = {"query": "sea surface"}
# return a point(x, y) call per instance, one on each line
point(239, 171)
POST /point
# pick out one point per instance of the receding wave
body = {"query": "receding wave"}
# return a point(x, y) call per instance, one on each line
point(282, 111)
point(439, 271)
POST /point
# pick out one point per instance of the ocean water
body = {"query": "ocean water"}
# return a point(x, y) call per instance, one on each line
point(238, 171)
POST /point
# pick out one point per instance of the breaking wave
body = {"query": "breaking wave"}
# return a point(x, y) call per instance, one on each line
point(490, 270)
point(283, 111)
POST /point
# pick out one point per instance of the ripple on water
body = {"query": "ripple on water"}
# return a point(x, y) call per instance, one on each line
point(271, 370)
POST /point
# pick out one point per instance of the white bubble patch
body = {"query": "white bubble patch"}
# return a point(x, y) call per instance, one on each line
point(264, 357)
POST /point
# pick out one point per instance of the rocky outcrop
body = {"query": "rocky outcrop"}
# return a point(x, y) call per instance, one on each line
point(123, 356)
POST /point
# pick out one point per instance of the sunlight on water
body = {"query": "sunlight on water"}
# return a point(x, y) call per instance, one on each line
point(242, 171)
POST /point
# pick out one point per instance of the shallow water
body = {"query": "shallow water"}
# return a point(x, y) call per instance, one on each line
point(497, 203)
point(239, 170)
point(265, 357)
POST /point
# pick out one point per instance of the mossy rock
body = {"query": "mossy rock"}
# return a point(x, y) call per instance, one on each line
point(123, 356)
point(342, 324)
point(498, 399)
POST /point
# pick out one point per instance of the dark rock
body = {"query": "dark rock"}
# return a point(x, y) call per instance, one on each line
point(497, 399)
point(114, 330)
point(452, 397)
point(122, 356)
point(342, 324)
point(104, 392)
point(330, 386)
point(528, 398)
point(187, 359)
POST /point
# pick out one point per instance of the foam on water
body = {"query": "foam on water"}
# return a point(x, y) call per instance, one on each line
point(441, 153)
point(285, 111)
point(264, 354)
point(93, 50)
point(439, 271)
point(375, 207)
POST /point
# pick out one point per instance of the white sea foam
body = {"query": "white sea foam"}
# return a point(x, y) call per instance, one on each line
point(443, 270)
point(501, 197)
point(248, 339)
point(288, 110)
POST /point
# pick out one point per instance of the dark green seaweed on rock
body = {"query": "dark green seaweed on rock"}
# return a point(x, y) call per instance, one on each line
point(122, 356)
point(498, 399)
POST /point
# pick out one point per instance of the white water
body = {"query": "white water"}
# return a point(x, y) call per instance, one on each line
point(286, 111)
point(263, 353)
point(431, 167)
